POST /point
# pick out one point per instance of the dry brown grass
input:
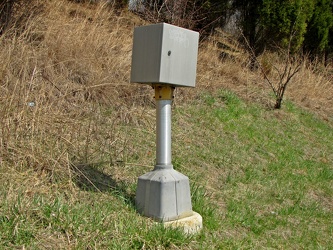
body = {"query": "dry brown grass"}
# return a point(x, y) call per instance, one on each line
point(54, 76)
point(65, 92)
point(312, 88)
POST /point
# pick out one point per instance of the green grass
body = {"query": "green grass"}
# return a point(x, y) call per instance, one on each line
point(96, 220)
point(260, 179)
point(271, 170)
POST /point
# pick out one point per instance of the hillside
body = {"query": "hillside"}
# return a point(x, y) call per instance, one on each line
point(75, 135)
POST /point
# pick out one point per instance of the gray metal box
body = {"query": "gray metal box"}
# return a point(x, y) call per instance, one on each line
point(164, 53)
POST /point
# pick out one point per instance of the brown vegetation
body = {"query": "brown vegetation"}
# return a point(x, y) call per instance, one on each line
point(66, 71)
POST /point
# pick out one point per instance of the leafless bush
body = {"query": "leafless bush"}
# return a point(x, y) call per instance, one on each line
point(117, 4)
point(277, 73)
point(190, 14)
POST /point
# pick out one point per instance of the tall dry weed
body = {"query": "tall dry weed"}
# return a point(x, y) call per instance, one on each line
point(65, 87)
point(313, 89)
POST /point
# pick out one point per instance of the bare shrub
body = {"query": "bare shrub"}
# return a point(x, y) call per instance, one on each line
point(278, 73)
point(202, 16)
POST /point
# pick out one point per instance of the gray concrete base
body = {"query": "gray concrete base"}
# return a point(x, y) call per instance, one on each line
point(190, 225)
point(164, 195)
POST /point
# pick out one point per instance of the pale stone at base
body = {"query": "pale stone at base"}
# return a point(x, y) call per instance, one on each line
point(190, 225)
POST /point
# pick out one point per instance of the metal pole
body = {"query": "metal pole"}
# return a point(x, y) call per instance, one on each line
point(163, 134)
point(163, 96)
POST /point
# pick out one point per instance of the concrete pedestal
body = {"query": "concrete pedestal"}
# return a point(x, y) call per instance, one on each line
point(164, 194)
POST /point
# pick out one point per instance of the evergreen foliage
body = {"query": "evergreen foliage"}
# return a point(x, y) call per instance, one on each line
point(304, 25)
point(317, 36)
point(285, 22)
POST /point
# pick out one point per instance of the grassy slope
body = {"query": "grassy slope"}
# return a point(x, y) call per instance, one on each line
point(260, 178)
point(269, 171)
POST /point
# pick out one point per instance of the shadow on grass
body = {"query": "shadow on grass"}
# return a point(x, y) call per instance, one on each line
point(87, 177)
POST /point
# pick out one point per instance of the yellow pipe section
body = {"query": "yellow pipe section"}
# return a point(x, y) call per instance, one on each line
point(163, 92)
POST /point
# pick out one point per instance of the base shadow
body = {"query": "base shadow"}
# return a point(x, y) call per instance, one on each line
point(88, 178)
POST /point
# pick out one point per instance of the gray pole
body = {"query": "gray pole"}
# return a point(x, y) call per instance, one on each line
point(163, 134)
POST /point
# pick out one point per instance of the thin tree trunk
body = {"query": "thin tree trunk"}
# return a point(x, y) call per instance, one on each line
point(278, 103)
